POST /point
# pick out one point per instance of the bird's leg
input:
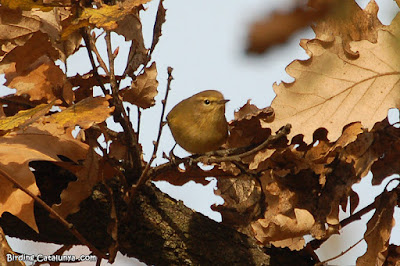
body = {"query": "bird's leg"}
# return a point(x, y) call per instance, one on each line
point(172, 157)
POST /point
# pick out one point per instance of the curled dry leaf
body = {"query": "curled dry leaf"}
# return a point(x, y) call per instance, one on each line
point(246, 128)
point(42, 80)
point(392, 255)
point(143, 89)
point(160, 19)
point(37, 142)
point(85, 113)
point(378, 230)
point(285, 230)
point(107, 16)
point(348, 21)
point(242, 200)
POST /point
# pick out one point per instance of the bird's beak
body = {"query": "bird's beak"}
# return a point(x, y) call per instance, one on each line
point(224, 101)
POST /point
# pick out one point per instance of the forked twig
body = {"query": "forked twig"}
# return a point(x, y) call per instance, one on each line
point(144, 176)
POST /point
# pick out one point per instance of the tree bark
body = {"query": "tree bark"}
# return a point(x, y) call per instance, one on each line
point(157, 230)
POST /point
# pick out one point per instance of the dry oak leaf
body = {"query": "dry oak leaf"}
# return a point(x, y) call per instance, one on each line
point(93, 171)
point(19, 148)
point(107, 16)
point(143, 89)
point(25, 4)
point(246, 128)
point(242, 200)
point(348, 21)
point(25, 117)
point(42, 80)
point(285, 231)
point(379, 228)
point(392, 255)
point(332, 90)
point(85, 113)
point(23, 59)
point(276, 28)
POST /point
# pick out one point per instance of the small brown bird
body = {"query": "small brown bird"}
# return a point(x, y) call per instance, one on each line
point(198, 123)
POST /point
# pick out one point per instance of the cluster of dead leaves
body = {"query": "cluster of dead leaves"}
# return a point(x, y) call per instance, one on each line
point(337, 107)
point(290, 187)
point(38, 120)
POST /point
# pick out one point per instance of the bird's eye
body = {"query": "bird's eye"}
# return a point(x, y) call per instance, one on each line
point(206, 102)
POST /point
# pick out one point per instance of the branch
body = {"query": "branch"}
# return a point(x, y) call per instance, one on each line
point(228, 155)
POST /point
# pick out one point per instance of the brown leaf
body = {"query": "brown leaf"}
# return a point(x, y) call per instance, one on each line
point(348, 21)
point(378, 230)
point(43, 79)
point(284, 231)
point(277, 28)
point(93, 171)
point(242, 200)
point(85, 113)
point(160, 19)
point(332, 90)
point(143, 89)
point(106, 16)
point(17, 149)
point(392, 255)
point(24, 118)
point(246, 128)
point(178, 176)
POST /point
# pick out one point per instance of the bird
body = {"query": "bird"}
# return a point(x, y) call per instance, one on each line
point(198, 123)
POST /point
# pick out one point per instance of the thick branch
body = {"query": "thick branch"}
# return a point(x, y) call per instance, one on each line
point(157, 230)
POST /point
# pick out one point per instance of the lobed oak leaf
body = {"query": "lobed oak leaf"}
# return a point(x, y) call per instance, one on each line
point(332, 90)
point(143, 90)
point(378, 230)
point(17, 150)
point(85, 113)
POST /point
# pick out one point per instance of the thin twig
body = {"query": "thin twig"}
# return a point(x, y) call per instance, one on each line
point(355, 244)
point(316, 243)
point(143, 178)
point(99, 59)
point(113, 82)
point(341, 253)
point(139, 114)
point(64, 222)
point(86, 38)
